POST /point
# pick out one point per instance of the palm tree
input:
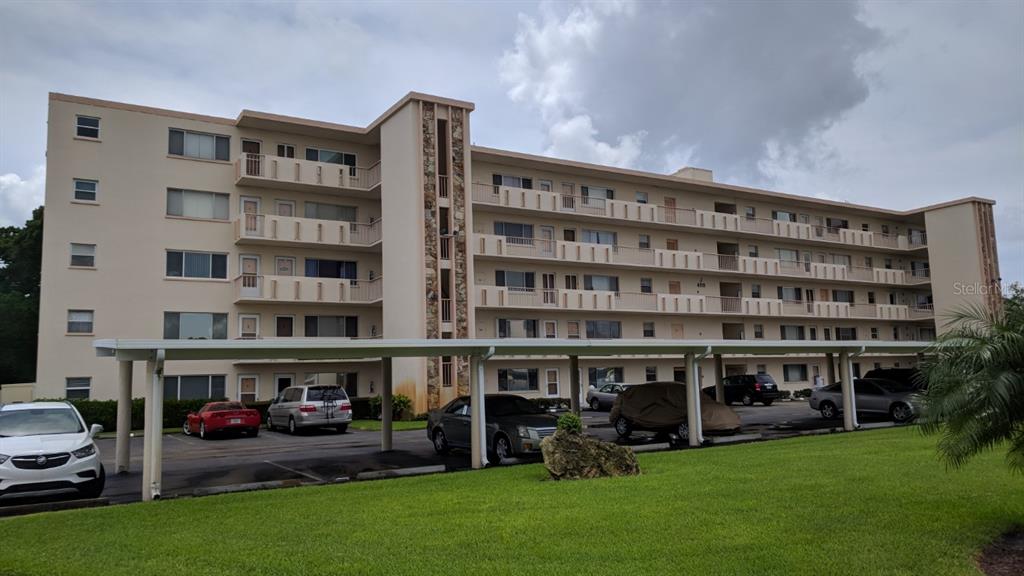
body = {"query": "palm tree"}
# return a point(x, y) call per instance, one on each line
point(975, 377)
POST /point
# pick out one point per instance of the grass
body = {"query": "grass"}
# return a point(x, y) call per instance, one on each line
point(397, 425)
point(874, 502)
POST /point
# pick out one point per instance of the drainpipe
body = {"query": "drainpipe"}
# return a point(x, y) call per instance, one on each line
point(696, 379)
point(478, 416)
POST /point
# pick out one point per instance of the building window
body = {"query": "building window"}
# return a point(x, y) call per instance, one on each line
point(285, 326)
point(600, 282)
point(896, 333)
point(198, 145)
point(194, 387)
point(337, 212)
point(874, 333)
point(837, 223)
point(827, 332)
point(77, 388)
point(794, 372)
point(544, 185)
point(80, 321)
point(752, 251)
point(195, 326)
point(286, 151)
point(83, 255)
point(569, 234)
point(750, 212)
point(572, 330)
point(551, 375)
point(645, 241)
point(332, 326)
point(516, 280)
point(595, 192)
point(792, 332)
point(869, 262)
point(181, 264)
point(651, 374)
point(571, 282)
point(871, 297)
point(888, 263)
point(601, 376)
point(814, 333)
point(885, 229)
point(842, 296)
point(513, 230)
point(787, 254)
point(762, 368)
point(648, 329)
point(783, 215)
point(508, 328)
point(641, 197)
point(87, 127)
point(755, 290)
point(758, 330)
point(85, 190)
point(195, 204)
point(600, 237)
point(846, 333)
point(865, 227)
point(645, 286)
point(317, 268)
point(671, 244)
point(517, 380)
point(512, 181)
point(604, 329)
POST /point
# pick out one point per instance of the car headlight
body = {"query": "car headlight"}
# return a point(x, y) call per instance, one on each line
point(3, 458)
point(524, 431)
point(85, 451)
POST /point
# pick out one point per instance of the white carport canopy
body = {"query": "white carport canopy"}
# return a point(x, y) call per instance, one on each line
point(156, 352)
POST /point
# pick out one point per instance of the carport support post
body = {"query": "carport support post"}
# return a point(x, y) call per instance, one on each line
point(849, 399)
point(478, 420)
point(719, 383)
point(385, 407)
point(122, 448)
point(152, 455)
point(147, 432)
point(692, 401)
point(574, 384)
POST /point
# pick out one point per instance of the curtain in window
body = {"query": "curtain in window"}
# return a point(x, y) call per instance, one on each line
point(197, 265)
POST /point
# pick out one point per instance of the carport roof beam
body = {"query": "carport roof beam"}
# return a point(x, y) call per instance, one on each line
point(346, 348)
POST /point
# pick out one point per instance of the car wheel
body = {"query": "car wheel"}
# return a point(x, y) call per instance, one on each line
point(767, 402)
point(595, 405)
point(623, 428)
point(94, 488)
point(683, 431)
point(829, 411)
point(440, 442)
point(341, 428)
point(202, 430)
point(747, 399)
point(185, 429)
point(901, 412)
point(502, 449)
point(270, 423)
point(291, 425)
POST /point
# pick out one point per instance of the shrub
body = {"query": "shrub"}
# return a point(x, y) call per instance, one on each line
point(570, 422)
point(401, 407)
point(369, 408)
point(804, 393)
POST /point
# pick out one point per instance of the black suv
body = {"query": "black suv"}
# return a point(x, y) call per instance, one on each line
point(748, 389)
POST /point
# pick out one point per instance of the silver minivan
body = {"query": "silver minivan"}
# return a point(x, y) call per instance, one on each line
point(315, 406)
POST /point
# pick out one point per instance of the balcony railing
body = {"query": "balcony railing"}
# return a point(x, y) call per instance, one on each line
point(547, 201)
point(921, 312)
point(306, 290)
point(443, 190)
point(446, 310)
point(269, 227)
point(255, 168)
point(445, 247)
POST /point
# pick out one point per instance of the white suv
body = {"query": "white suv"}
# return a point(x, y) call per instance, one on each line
point(46, 446)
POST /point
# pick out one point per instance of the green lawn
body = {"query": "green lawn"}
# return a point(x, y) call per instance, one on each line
point(397, 425)
point(874, 502)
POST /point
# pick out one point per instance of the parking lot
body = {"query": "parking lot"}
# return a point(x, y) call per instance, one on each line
point(192, 464)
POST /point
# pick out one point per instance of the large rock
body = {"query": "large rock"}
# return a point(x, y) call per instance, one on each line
point(572, 456)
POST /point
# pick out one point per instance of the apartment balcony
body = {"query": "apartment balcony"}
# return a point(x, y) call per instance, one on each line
point(645, 302)
point(633, 213)
point(256, 289)
point(306, 232)
point(492, 245)
point(304, 175)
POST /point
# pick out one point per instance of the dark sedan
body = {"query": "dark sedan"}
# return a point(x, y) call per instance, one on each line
point(514, 426)
point(747, 389)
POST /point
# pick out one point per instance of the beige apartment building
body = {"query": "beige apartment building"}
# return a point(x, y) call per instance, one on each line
point(166, 224)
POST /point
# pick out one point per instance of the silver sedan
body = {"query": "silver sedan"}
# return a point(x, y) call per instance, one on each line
point(603, 397)
point(876, 396)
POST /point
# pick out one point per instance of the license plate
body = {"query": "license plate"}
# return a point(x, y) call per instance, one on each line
point(236, 420)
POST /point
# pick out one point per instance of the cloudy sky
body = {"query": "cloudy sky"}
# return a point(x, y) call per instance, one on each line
point(884, 103)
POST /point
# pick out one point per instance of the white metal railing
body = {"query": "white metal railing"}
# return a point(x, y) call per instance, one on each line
point(445, 247)
point(636, 301)
point(442, 186)
point(446, 310)
point(920, 312)
point(365, 234)
point(297, 170)
point(310, 230)
point(257, 287)
point(724, 304)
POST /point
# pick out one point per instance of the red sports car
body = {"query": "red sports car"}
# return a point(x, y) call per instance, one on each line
point(222, 417)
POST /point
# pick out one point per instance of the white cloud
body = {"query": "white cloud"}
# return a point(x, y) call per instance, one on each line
point(18, 197)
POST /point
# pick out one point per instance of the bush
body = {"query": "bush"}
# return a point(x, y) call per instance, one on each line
point(104, 412)
point(803, 393)
point(369, 408)
point(570, 422)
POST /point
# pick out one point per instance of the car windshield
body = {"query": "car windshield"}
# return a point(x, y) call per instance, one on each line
point(39, 421)
point(511, 405)
point(321, 393)
point(219, 406)
point(765, 379)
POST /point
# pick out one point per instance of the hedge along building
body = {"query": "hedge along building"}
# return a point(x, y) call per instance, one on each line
point(154, 355)
point(176, 225)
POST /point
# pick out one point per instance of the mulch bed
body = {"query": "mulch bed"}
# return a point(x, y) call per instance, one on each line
point(1005, 556)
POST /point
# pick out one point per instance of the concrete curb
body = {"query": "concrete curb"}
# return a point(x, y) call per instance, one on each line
point(22, 509)
point(249, 487)
point(400, 472)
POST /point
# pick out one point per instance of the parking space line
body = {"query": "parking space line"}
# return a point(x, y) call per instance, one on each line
point(294, 471)
point(180, 439)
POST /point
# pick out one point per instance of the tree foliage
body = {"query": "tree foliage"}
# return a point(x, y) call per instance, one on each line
point(975, 376)
point(21, 251)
